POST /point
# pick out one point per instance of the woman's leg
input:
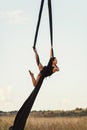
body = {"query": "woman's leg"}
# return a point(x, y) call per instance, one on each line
point(33, 78)
point(40, 66)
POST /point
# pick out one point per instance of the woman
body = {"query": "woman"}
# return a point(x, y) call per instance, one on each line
point(23, 113)
point(44, 70)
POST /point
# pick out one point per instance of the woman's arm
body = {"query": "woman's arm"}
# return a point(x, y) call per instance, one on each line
point(56, 68)
point(51, 52)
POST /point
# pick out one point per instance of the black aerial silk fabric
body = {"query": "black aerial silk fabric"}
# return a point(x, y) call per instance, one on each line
point(38, 23)
point(23, 113)
point(50, 23)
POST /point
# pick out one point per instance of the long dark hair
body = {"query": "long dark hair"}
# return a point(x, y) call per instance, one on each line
point(47, 71)
point(50, 62)
point(11, 128)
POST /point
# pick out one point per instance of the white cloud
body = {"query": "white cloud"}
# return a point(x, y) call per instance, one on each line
point(5, 97)
point(5, 93)
point(14, 17)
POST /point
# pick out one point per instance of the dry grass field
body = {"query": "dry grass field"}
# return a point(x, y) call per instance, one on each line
point(59, 123)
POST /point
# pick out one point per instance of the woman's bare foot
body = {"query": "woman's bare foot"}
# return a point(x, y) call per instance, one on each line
point(32, 77)
point(31, 73)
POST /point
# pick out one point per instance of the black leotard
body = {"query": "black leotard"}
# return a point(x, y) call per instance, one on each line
point(46, 71)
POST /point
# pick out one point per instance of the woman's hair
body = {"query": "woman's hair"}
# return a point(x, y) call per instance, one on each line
point(50, 62)
point(47, 70)
point(11, 128)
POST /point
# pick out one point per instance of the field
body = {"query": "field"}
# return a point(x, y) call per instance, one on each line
point(59, 123)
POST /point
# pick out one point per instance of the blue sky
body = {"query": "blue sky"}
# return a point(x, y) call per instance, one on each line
point(66, 89)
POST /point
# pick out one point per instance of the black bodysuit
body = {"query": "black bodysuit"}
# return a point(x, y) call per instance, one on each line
point(45, 72)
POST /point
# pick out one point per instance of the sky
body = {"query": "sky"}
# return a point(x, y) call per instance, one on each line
point(64, 90)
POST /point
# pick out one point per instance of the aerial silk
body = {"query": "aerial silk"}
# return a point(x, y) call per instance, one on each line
point(38, 23)
point(23, 113)
point(50, 23)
